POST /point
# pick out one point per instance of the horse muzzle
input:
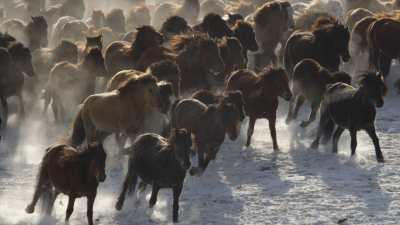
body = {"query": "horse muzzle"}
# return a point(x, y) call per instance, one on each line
point(101, 178)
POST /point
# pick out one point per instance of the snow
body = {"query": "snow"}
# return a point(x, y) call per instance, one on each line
point(242, 186)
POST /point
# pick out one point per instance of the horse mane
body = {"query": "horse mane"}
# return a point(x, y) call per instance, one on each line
point(371, 77)
point(323, 21)
point(188, 41)
point(240, 24)
point(394, 15)
point(130, 85)
point(174, 24)
point(271, 71)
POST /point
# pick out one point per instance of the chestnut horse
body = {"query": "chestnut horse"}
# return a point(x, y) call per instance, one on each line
point(70, 171)
point(260, 93)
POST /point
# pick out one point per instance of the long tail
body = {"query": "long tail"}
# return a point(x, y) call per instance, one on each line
point(43, 192)
point(78, 131)
point(327, 128)
point(128, 186)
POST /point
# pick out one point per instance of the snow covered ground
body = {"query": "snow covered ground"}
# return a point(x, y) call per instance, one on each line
point(243, 186)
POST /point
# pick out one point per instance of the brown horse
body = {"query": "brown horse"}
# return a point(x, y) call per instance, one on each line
point(159, 162)
point(208, 124)
point(75, 173)
point(69, 84)
point(271, 21)
point(214, 26)
point(327, 43)
point(115, 19)
point(174, 25)
point(309, 83)
point(232, 54)
point(383, 46)
point(197, 56)
point(130, 110)
point(260, 93)
point(245, 33)
point(121, 55)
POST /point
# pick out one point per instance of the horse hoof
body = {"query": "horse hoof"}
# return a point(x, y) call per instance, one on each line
point(29, 209)
point(304, 124)
point(118, 206)
point(380, 160)
point(314, 145)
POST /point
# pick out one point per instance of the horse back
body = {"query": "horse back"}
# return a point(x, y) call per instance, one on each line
point(188, 113)
point(152, 55)
point(384, 35)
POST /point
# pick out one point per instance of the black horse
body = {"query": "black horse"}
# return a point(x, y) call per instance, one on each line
point(160, 162)
point(346, 107)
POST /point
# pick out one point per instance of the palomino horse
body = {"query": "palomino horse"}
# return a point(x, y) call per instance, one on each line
point(159, 162)
point(345, 107)
point(129, 110)
point(75, 173)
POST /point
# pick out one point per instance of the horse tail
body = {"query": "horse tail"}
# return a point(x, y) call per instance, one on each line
point(327, 127)
point(128, 186)
point(173, 116)
point(78, 131)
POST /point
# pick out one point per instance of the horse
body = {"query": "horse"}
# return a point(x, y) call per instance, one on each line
point(232, 55)
point(355, 15)
point(67, 170)
point(382, 42)
point(115, 19)
point(189, 10)
point(260, 93)
point(359, 36)
point(208, 98)
point(69, 84)
point(345, 107)
point(137, 17)
point(122, 55)
point(245, 33)
point(174, 25)
point(208, 124)
point(271, 22)
point(197, 56)
point(33, 34)
point(233, 18)
point(131, 109)
point(212, 6)
point(326, 43)
point(97, 19)
point(309, 83)
point(160, 162)
point(214, 26)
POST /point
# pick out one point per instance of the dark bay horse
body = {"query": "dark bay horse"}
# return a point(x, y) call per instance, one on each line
point(159, 162)
point(326, 44)
point(309, 83)
point(383, 44)
point(260, 93)
point(345, 107)
point(122, 55)
point(69, 171)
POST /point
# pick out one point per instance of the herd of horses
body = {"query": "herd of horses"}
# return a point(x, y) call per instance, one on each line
point(176, 78)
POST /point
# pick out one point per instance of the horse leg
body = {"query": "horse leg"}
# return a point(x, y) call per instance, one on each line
point(250, 130)
point(53, 198)
point(154, 193)
point(5, 109)
point(384, 64)
point(70, 208)
point(272, 130)
point(313, 114)
point(353, 136)
point(372, 134)
point(200, 161)
point(21, 106)
point(129, 183)
point(336, 137)
point(90, 202)
point(289, 116)
point(175, 208)
point(299, 102)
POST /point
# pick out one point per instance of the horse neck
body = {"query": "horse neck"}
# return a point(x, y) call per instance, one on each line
point(362, 95)
point(186, 61)
point(138, 48)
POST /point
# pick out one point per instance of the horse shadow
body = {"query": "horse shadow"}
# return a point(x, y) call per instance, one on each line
point(343, 177)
